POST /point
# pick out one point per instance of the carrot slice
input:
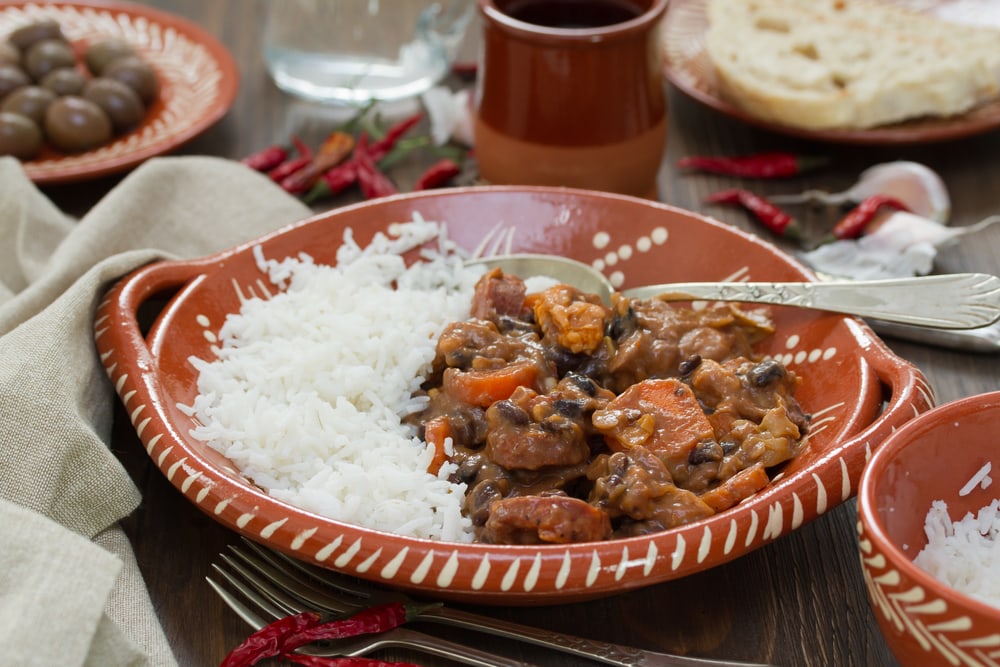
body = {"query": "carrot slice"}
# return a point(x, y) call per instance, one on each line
point(737, 488)
point(670, 422)
point(436, 431)
point(486, 387)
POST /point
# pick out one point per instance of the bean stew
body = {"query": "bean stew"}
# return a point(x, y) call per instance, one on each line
point(573, 421)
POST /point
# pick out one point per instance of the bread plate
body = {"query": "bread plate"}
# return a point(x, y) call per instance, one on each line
point(689, 69)
point(198, 81)
point(856, 389)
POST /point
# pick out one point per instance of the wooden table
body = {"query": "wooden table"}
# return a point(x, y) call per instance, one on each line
point(798, 601)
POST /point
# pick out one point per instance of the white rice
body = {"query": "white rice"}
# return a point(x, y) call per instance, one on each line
point(965, 554)
point(310, 385)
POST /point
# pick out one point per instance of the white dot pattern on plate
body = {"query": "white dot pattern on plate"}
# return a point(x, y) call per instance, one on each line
point(448, 572)
point(423, 569)
point(391, 569)
point(368, 562)
point(301, 538)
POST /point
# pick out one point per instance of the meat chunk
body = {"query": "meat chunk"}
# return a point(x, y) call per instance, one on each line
point(554, 519)
point(636, 485)
point(570, 318)
point(498, 295)
point(529, 431)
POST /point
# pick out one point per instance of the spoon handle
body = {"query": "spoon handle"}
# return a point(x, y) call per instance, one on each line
point(947, 301)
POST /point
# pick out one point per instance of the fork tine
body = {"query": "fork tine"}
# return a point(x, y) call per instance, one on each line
point(267, 596)
point(314, 575)
point(605, 652)
point(306, 592)
point(243, 611)
point(279, 601)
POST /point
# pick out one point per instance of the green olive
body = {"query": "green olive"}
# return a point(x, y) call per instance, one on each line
point(73, 124)
point(30, 101)
point(47, 55)
point(137, 74)
point(12, 77)
point(9, 54)
point(19, 136)
point(64, 81)
point(121, 103)
point(27, 35)
point(101, 54)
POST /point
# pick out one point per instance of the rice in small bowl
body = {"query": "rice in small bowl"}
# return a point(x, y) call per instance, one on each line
point(928, 535)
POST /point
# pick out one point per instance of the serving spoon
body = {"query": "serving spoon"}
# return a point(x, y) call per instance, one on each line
point(946, 301)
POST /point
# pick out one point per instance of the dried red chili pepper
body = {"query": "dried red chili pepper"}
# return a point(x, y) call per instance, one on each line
point(759, 165)
point(334, 150)
point(292, 165)
point(381, 147)
point(341, 661)
point(267, 158)
point(373, 182)
point(269, 641)
point(853, 225)
point(766, 213)
point(378, 618)
point(332, 182)
point(438, 174)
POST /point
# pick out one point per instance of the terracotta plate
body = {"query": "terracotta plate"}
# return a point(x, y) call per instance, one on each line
point(847, 372)
point(198, 80)
point(690, 70)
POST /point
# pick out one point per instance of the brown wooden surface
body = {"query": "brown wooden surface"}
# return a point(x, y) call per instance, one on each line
point(798, 601)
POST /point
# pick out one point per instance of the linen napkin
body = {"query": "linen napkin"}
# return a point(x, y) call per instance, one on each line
point(70, 590)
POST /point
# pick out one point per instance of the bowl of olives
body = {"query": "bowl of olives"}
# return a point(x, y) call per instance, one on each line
point(84, 93)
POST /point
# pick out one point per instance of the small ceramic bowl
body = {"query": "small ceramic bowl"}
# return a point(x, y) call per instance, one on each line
point(932, 457)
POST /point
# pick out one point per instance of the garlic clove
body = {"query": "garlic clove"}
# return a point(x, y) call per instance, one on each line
point(914, 184)
point(900, 244)
point(450, 114)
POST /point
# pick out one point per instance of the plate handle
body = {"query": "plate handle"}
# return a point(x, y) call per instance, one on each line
point(907, 392)
point(117, 328)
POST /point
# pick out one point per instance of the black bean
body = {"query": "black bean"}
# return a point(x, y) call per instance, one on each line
point(566, 362)
point(513, 325)
point(729, 446)
point(766, 372)
point(468, 469)
point(689, 365)
point(477, 502)
point(622, 324)
point(706, 451)
point(584, 383)
point(568, 408)
point(468, 427)
point(512, 413)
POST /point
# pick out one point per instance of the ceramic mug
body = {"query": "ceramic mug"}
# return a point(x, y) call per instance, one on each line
point(571, 93)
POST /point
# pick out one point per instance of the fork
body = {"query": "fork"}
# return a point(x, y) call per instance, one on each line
point(276, 603)
point(327, 590)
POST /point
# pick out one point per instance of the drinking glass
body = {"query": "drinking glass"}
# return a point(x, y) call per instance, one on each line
point(356, 51)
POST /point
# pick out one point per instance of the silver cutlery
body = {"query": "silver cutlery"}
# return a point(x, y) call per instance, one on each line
point(268, 599)
point(303, 586)
point(947, 301)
